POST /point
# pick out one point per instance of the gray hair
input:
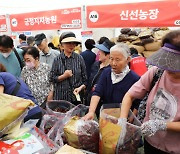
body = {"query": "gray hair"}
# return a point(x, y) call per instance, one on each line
point(122, 48)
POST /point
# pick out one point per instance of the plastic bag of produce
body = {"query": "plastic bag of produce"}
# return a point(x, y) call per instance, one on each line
point(50, 147)
point(12, 109)
point(56, 135)
point(79, 110)
point(58, 107)
point(82, 134)
point(111, 140)
point(48, 121)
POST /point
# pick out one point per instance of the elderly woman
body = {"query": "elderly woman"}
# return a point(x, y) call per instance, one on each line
point(36, 75)
point(98, 66)
point(115, 81)
point(161, 126)
point(68, 73)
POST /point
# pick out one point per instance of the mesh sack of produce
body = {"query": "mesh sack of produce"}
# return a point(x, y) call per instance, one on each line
point(59, 108)
point(115, 138)
point(12, 110)
point(82, 134)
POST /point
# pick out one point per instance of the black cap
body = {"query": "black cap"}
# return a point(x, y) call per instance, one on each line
point(39, 38)
point(22, 37)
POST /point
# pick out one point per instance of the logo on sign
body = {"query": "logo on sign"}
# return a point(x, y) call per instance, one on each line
point(93, 16)
point(14, 22)
point(177, 22)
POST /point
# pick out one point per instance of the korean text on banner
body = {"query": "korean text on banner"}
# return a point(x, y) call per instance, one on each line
point(144, 14)
point(47, 20)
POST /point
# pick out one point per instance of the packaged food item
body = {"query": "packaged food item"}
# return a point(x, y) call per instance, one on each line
point(111, 140)
point(66, 149)
point(11, 108)
point(27, 143)
point(82, 134)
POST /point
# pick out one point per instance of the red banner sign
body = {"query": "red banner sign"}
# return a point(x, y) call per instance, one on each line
point(47, 20)
point(3, 25)
point(145, 14)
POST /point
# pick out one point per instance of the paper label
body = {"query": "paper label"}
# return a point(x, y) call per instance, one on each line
point(27, 143)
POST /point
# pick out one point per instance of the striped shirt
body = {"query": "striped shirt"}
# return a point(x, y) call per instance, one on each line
point(63, 90)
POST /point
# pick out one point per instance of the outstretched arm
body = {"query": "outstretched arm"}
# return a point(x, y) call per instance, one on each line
point(126, 105)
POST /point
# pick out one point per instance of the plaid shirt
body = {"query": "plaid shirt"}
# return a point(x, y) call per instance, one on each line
point(63, 90)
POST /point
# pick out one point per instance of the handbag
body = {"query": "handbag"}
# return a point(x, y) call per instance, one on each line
point(142, 105)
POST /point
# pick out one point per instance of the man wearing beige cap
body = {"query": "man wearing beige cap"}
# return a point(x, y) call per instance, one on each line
point(68, 72)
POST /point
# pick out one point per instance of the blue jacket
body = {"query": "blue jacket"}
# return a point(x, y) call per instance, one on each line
point(114, 93)
point(9, 82)
point(89, 58)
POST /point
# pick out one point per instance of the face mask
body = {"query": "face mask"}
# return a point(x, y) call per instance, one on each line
point(30, 64)
point(5, 55)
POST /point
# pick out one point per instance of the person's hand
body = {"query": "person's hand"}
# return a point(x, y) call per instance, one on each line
point(150, 127)
point(122, 122)
point(68, 73)
point(88, 116)
point(77, 90)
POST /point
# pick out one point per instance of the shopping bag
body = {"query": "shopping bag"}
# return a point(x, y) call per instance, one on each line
point(12, 108)
point(82, 134)
point(111, 140)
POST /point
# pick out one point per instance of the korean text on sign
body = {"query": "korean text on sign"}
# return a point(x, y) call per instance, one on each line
point(40, 20)
point(139, 14)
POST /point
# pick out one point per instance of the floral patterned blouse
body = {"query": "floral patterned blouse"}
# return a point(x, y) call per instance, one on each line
point(38, 81)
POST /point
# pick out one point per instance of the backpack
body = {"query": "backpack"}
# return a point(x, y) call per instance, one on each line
point(21, 63)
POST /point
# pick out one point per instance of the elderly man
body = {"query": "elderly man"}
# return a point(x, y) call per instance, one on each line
point(47, 54)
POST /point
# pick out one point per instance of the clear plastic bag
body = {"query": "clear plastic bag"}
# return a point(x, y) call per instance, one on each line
point(79, 110)
point(108, 125)
point(48, 121)
point(56, 135)
point(82, 134)
point(50, 147)
point(59, 108)
point(12, 124)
